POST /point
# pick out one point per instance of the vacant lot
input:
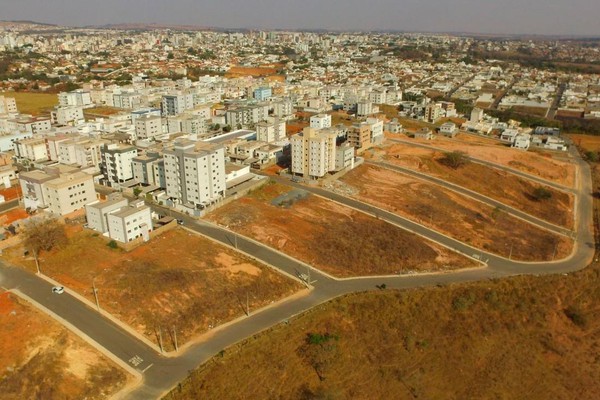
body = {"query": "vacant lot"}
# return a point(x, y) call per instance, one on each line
point(518, 338)
point(238, 71)
point(101, 111)
point(34, 103)
point(536, 163)
point(500, 185)
point(40, 359)
point(178, 279)
point(458, 216)
point(586, 142)
point(331, 237)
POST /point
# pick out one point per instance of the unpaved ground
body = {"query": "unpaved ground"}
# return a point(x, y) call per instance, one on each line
point(533, 338)
point(40, 359)
point(178, 279)
point(586, 142)
point(540, 164)
point(455, 215)
point(500, 185)
point(334, 238)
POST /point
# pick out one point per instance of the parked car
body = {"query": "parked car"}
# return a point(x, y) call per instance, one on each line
point(58, 289)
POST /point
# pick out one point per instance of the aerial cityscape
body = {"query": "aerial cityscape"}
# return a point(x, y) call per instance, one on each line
point(250, 202)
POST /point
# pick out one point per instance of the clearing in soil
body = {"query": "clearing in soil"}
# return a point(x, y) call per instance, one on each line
point(458, 216)
point(500, 185)
point(177, 280)
point(539, 163)
point(40, 359)
point(530, 338)
point(331, 237)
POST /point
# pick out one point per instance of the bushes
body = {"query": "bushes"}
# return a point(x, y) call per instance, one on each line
point(541, 193)
point(113, 244)
point(575, 314)
point(455, 159)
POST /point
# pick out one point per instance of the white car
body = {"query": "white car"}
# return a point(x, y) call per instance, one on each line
point(58, 289)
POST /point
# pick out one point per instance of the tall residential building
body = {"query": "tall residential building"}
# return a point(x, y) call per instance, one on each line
point(195, 173)
point(148, 126)
point(116, 165)
point(77, 97)
point(173, 104)
point(313, 152)
point(320, 121)
point(359, 136)
point(270, 131)
point(8, 105)
point(433, 112)
point(476, 115)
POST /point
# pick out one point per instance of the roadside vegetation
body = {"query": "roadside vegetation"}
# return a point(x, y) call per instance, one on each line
point(517, 338)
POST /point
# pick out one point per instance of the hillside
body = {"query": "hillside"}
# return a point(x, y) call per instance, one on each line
point(517, 338)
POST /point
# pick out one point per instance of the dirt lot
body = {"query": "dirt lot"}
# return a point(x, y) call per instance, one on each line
point(331, 237)
point(455, 215)
point(238, 71)
point(178, 279)
point(500, 185)
point(534, 338)
point(586, 142)
point(537, 163)
point(40, 359)
point(34, 103)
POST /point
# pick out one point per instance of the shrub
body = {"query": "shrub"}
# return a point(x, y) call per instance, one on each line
point(113, 244)
point(455, 159)
point(576, 316)
point(541, 193)
point(591, 156)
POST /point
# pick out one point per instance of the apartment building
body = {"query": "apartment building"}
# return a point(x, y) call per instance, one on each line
point(96, 213)
point(148, 126)
point(27, 124)
point(143, 168)
point(262, 93)
point(176, 103)
point(359, 137)
point(313, 152)
point(320, 121)
point(245, 116)
point(61, 190)
point(375, 130)
point(195, 173)
point(116, 163)
point(77, 97)
point(120, 221)
point(8, 105)
point(270, 131)
point(81, 151)
point(32, 149)
point(433, 112)
point(68, 115)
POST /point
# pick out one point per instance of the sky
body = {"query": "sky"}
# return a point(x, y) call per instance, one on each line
point(546, 17)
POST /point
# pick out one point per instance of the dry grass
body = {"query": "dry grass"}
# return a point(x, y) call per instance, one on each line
point(334, 238)
point(101, 111)
point(34, 103)
point(42, 360)
point(500, 185)
point(586, 142)
point(455, 215)
point(178, 279)
point(518, 338)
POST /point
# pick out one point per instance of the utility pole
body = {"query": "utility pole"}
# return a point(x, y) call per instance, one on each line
point(160, 342)
point(308, 275)
point(95, 293)
point(37, 262)
point(235, 240)
point(555, 249)
point(247, 304)
point(175, 339)
point(511, 249)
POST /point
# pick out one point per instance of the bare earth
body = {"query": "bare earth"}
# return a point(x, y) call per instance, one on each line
point(40, 359)
point(455, 215)
point(494, 183)
point(334, 238)
point(178, 279)
point(540, 164)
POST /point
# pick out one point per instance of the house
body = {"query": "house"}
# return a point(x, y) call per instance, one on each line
point(448, 129)
point(509, 135)
point(424, 133)
point(522, 141)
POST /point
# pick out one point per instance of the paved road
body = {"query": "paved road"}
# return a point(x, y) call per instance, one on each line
point(551, 113)
point(477, 196)
point(501, 167)
point(161, 373)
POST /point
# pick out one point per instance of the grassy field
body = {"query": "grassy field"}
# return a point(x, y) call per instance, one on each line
point(40, 359)
point(458, 216)
point(331, 237)
point(101, 111)
point(500, 185)
point(33, 103)
point(178, 279)
point(534, 338)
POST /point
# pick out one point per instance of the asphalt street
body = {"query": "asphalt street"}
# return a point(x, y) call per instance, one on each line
point(162, 373)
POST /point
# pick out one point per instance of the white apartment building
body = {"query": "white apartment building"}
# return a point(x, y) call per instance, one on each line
point(313, 152)
point(195, 173)
point(320, 121)
point(116, 163)
point(77, 97)
point(376, 130)
point(143, 169)
point(96, 213)
point(283, 109)
point(176, 103)
point(244, 116)
point(270, 131)
point(68, 115)
point(148, 126)
point(364, 108)
point(27, 124)
point(131, 222)
point(61, 191)
point(8, 105)
point(32, 149)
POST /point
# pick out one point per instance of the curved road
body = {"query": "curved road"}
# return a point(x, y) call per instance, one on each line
point(162, 373)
